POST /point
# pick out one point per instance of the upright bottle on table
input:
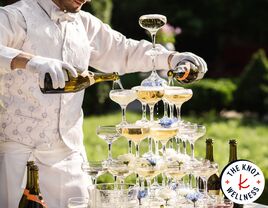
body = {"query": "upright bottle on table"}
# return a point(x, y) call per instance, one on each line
point(186, 73)
point(75, 84)
point(24, 201)
point(35, 199)
point(213, 184)
point(232, 158)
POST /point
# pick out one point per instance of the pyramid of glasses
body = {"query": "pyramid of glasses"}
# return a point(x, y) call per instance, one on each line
point(179, 172)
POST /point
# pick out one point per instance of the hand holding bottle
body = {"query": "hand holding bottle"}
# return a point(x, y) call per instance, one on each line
point(193, 59)
point(186, 67)
point(55, 68)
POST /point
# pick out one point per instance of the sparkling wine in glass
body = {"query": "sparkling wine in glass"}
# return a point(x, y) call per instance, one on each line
point(152, 23)
point(119, 169)
point(135, 133)
point(163, 135)
point(148, 168)
point(123, 97)
point(150, 96)
point(177, 96)
point(108, 134)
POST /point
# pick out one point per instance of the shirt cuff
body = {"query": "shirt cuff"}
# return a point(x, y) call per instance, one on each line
point(6, 56)
point(162, 60)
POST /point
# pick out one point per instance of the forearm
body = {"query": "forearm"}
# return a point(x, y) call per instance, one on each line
point(11, 58)
point(20, 61)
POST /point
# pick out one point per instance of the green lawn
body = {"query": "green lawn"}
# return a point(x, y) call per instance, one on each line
point(252, 137)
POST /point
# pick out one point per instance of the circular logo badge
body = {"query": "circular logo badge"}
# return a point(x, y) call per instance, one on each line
point(242, 182)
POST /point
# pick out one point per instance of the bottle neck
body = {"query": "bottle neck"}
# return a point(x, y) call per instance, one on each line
point(233, 152)
point(29, 177)
point(101, 77)
point(209, 152)
point(35, 183)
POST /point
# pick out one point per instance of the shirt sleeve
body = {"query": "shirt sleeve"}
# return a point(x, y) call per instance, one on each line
point(112, 51)
point(12, 35)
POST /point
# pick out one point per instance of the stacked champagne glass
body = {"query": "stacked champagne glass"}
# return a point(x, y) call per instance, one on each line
point(175, 173)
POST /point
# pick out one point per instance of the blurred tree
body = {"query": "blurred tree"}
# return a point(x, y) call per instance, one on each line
point(252, 90)
point(101, 9)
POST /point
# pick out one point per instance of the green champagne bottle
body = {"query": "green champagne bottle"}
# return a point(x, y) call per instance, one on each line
point(214, 183)
point(232, 158)
point(23, 201)
point(184, 73)
point(35, 199)
point(75, 84)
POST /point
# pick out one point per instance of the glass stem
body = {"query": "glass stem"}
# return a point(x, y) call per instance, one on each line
point(124, 118)
point(153, 39)
point(165, 109)
point(171, 111)
point(137, 150)
point(154, 53)
point(94, 180)
point(184, 147)
point(149, 186)
point(129, 147)
point(150, 144)
point(144, 112)
point(178, 144)
point(205, 187)
point(192, 149)
point(151, 113)
point(190, 181)
point(156, 147)
point(164, 150)
point(109, 151)
point(178, 112)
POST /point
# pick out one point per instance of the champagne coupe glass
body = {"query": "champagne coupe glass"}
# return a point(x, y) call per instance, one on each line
point(93, 169)
point(177, 96)
point(110, 195)
point(148, 168)
point(135, 133)
point(119, 169)
point(78, 202)
point(206, 170)
point(123, 97)
point(168, 99)
point(150, 96)
point(108, 134)
point(198, 131)
point(176, 170)
point(152, 23)
point(163, 134)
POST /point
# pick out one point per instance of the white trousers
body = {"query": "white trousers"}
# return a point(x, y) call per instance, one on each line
point(60, 174)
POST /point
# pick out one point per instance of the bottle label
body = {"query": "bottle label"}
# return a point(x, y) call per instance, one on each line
point(185, 75)
point(186, 68)
point(37, 199)
point(26, 192)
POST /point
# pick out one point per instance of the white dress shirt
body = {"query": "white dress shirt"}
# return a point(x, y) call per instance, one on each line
point(49, 127)
point(99, 46)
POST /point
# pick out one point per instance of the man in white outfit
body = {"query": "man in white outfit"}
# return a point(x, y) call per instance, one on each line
point(45, 36)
